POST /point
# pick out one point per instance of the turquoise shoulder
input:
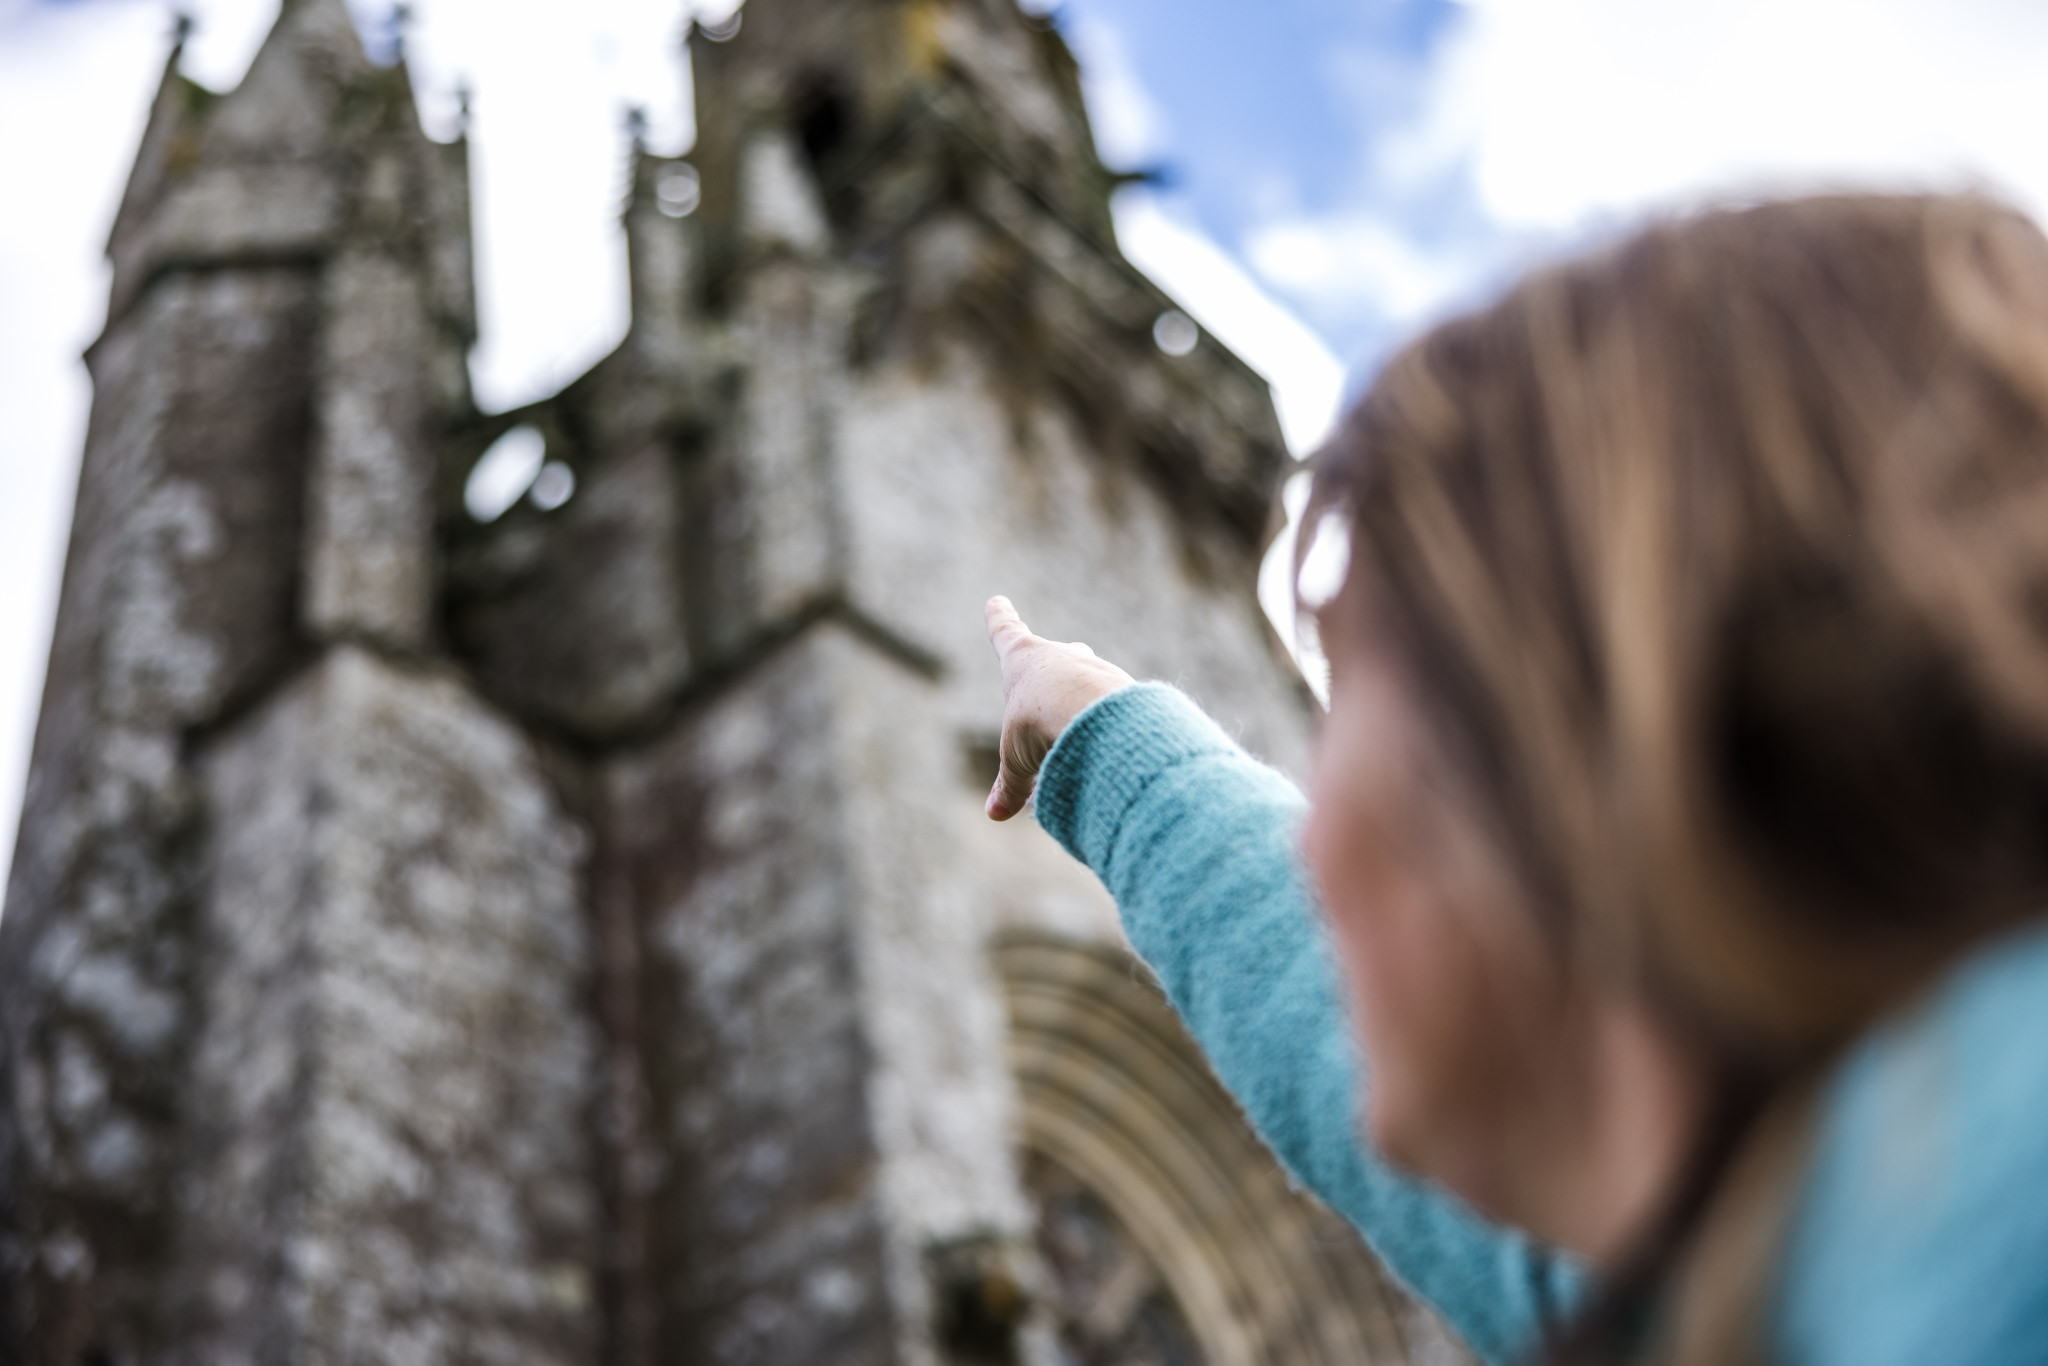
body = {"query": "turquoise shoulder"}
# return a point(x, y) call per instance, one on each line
point(1922, 1232)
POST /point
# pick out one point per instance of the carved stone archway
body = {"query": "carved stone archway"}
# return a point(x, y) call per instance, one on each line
point(1163, 1220)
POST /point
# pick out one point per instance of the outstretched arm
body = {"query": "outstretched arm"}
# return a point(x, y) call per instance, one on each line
point(1197, 843)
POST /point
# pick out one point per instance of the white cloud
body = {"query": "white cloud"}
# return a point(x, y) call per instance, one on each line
point(1555, 120)
point(1355, 261)
point(1130, 128)
point(1307, 379)
point(1575, 109)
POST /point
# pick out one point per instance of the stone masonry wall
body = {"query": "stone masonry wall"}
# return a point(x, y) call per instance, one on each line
point(388, 1152)
point(176, 604)
point(728, 843)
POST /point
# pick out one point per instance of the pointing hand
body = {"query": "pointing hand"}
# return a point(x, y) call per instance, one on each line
point(1046, 684)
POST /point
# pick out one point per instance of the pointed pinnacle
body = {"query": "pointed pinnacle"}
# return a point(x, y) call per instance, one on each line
point(401, 23)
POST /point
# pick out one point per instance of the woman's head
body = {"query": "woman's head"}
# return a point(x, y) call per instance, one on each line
point(1712, 572)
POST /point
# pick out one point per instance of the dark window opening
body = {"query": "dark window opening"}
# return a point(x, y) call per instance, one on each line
point(824, 120)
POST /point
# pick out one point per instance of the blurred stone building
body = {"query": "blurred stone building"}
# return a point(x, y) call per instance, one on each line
point(574, 938)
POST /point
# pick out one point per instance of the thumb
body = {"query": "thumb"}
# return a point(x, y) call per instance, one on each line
point(1010, 794)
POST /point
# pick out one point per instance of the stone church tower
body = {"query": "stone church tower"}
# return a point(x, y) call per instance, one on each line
point(574, 939)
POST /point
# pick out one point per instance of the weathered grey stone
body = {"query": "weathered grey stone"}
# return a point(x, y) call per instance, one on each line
point(286, 105)
point(176, 603)
point(831, 1087)
point(282, 210)
point(181, 608)
point(792, 335)
point(939, 1086)
point(576, 616)
point(581, 616)
point(249, 174)
point(1085, 548)
point(779, 205)
point(452, 249)
point(387, 1152)
point(849, 76)
point(369, 548)
point(726, 846)
point(662, 267)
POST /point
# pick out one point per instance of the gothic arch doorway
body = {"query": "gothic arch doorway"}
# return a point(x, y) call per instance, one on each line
point(1169, 1234)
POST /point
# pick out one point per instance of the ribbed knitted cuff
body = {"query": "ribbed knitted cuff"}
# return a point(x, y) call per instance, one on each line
point(1109, 755)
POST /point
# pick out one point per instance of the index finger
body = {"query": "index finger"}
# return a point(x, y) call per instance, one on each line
point(1006, 630)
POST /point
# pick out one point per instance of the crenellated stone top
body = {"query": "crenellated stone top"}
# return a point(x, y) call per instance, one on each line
point(315, 147)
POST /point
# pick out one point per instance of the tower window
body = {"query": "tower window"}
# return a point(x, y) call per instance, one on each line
point(824, 120)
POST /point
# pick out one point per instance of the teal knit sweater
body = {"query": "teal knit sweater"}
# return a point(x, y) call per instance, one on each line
point(1922, 1230)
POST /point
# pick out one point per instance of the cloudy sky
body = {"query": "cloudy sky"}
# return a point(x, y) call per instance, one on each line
point(1337, 172)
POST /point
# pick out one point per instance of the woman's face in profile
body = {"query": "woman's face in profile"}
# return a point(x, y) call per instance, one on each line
point(1464, 1023)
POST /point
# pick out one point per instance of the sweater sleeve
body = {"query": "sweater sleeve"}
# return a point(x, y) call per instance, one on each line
point(1197, 842)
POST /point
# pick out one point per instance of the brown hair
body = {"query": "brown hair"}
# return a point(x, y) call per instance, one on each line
point(1718, 564)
